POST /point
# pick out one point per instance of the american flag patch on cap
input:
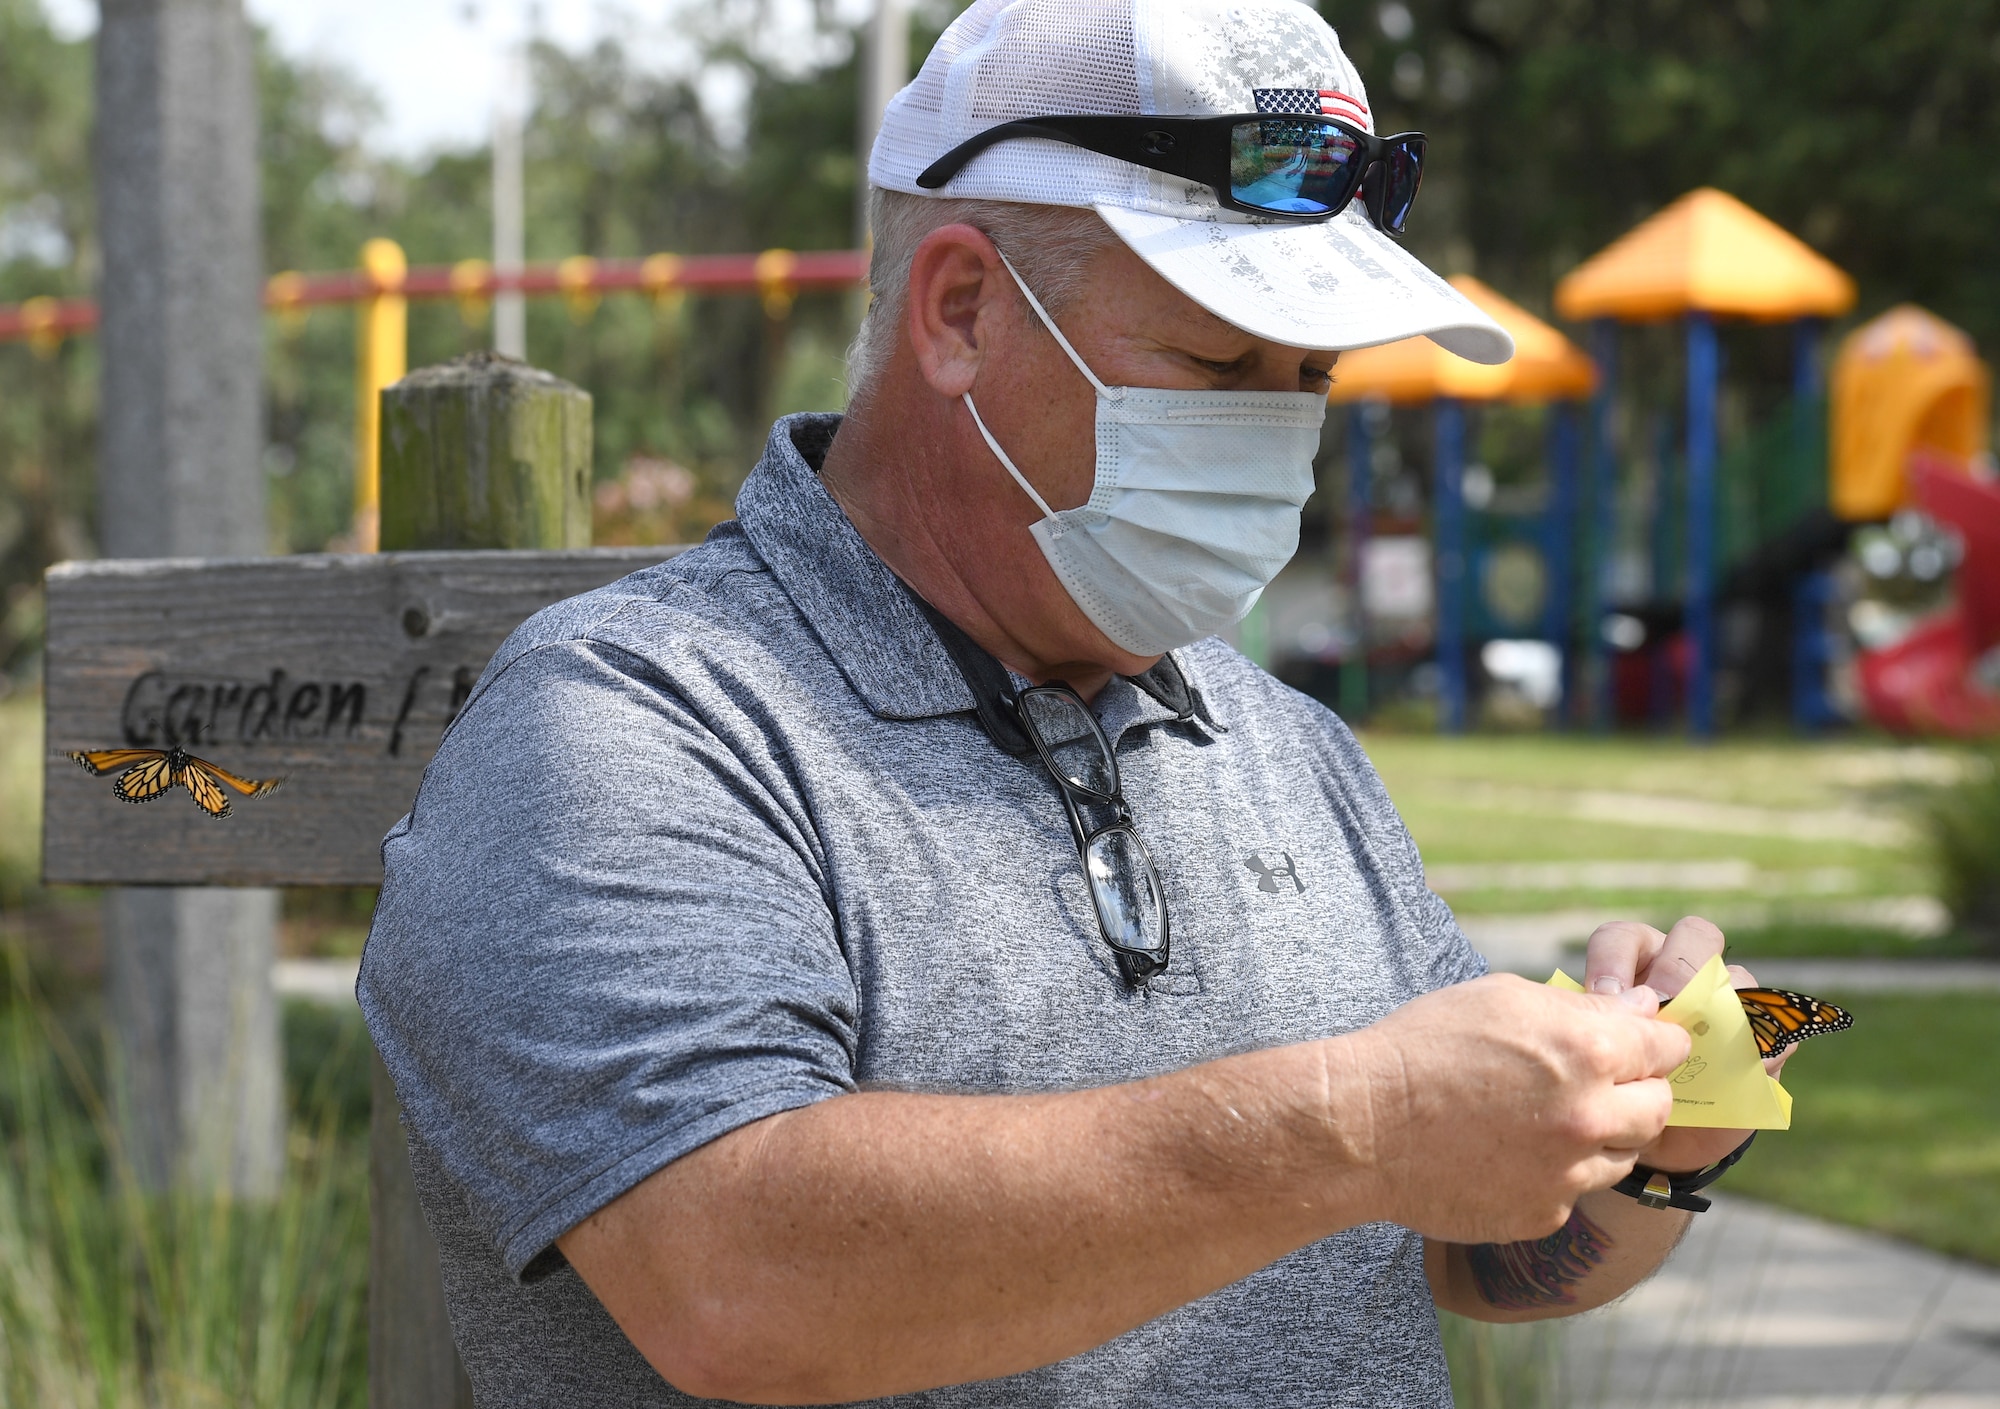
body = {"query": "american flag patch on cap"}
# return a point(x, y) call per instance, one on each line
point(1322, 102)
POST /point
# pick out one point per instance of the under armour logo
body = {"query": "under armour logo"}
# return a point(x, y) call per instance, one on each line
point(1267, 874)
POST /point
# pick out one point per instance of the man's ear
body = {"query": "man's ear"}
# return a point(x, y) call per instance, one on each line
point(953, 306)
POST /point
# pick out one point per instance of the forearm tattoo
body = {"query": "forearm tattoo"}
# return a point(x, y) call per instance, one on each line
point(1541, 1272)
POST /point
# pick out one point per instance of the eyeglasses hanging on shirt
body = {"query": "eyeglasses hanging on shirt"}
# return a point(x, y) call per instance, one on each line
point(1124, 883)
point(1053, 723)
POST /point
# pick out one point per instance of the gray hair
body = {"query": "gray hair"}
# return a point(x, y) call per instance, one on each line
point(1052, 246)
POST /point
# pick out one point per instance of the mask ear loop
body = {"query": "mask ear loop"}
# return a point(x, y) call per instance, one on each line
point(994, 445)
point(1002, 457)
point(1050, 323)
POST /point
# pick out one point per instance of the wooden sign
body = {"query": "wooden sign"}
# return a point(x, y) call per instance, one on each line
point(339, 672)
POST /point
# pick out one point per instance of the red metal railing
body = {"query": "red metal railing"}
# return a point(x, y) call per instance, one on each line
point(774, 274)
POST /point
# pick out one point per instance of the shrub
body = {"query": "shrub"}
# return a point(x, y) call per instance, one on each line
point(1965, 840)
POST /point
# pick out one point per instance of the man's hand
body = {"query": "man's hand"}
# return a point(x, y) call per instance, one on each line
point(1626, 954)
point(1609, 1242)
point(883, 1242)
point(1507, 1101)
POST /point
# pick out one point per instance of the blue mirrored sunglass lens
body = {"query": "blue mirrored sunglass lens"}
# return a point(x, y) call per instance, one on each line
point(1298, 166)
point(1405, 173)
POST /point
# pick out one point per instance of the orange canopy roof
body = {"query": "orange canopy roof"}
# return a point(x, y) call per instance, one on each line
point(1546, 365)
point(1907, 380)
point(1710, 253)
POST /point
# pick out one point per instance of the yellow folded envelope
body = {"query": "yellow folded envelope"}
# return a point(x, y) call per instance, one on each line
point(1722, 1084)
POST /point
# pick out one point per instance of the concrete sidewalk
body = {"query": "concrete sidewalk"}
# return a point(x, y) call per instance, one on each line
point(1763, 1309)
point(1533, 945)
point(320, 980)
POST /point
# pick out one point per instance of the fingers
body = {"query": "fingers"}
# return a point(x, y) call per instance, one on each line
point(1641, 1000)
point(1664, 1046)
point(1617, 954)
point(1740, 977)
point(1634, 1114)
point(1634, 1051)
point(1688, 945)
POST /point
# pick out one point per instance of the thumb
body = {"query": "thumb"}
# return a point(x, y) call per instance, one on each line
point(1639, 999)
point(1659, 1046)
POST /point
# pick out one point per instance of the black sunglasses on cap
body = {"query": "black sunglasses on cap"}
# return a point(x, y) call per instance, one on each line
point(1281, 166)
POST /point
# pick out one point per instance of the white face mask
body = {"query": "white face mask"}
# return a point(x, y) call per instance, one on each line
point(1194, 509)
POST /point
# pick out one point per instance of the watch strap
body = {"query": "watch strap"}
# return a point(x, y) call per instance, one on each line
point(1655, 1188)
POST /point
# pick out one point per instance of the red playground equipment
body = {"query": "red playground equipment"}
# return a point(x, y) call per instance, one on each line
point(1910, 422)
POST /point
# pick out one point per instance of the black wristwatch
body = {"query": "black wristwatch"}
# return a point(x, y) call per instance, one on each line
point(1655, 1188)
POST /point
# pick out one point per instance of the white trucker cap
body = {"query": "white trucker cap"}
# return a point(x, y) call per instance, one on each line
point(1336, 285)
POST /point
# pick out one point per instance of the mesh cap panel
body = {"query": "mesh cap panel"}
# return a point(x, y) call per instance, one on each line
point(1006, 59)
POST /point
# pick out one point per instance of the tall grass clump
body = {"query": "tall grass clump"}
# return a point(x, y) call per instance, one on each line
point(1964, 830)
point(113, 1296)
point(1504, 1366)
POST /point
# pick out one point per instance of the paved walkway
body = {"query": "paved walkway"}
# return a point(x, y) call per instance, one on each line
point(1535, 944)
point(321, 980)
point(1882, 975)
point(1763, 1309)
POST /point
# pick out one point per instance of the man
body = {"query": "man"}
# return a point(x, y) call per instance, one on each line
point(894, 950)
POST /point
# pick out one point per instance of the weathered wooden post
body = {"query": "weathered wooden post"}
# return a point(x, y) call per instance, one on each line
point(189, 1001)
point(483, 452)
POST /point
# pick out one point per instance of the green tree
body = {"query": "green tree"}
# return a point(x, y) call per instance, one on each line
point(1865, 126)
point(47, 394)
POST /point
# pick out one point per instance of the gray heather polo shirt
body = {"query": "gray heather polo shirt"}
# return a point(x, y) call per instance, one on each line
point(725, 838)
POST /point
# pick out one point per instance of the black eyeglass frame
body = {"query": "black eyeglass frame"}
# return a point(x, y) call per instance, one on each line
point(1198, 149)
point(1135, 965)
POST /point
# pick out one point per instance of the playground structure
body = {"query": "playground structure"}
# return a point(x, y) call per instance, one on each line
point(1905, 428)
point(1763, 529)
point(1911, 408)
point(1706, 256)
point(1535, 552)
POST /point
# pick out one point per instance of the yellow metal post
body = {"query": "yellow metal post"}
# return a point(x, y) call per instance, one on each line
point(774, 282)
point(381, 358)
point(472, 286)
point(577, 278)
point(38, 316)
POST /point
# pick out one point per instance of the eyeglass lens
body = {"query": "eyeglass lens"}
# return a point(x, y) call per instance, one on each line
point(1296, 165)
point(1125, 889)
point(1072, 740)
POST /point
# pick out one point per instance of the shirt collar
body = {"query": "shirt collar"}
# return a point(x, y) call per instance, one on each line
point(869, 622)
point(855, 605)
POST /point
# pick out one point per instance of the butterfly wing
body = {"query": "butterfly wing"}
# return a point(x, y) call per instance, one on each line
point(98, 762)
point(146, 780)
point(1779, 1017)
point(1772, 1038)
point(249, 787)
point(205, 787)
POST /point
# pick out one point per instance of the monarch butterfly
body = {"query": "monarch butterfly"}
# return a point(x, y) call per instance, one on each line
point(151, 773)
point(1780, 1017)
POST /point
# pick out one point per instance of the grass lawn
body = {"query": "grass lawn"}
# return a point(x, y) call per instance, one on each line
point(1802, 824)
point(1897, 1126)
point(1898, 1120)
